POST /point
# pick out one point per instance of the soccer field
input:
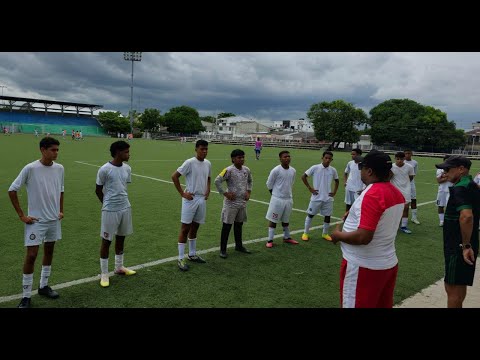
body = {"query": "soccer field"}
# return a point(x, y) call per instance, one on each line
point(304, 275)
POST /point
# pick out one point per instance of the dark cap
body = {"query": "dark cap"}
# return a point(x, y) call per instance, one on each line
point(376, 160)
point(455, 161)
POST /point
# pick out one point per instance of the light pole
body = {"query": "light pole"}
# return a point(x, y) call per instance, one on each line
point(3, 86)
point(132, 56)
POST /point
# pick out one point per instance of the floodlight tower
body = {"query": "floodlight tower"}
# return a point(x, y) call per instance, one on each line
point(132, 56)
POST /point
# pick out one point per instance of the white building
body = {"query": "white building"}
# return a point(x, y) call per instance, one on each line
point(294, 125)
point(234, 127)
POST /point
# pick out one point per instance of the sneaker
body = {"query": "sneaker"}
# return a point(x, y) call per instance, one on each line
point(24, 303)
point(305, 237)
point(104, 280)
point(223, 255)
point(269, 244)
point(244, 250)
point(196, 258)
point(48, 292)
point(326, 237)
point(290, 241)
point(125, 271)
point(405, 230)
point(415, 221)
point(182, 265)
point(441, 224)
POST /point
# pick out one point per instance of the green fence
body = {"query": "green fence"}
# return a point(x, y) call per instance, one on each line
point(53, 129)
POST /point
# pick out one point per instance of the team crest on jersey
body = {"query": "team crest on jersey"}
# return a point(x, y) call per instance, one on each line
point(275, 216)
point(33, 236)
point(106, 235)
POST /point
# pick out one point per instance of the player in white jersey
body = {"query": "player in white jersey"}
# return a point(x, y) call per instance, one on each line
point(197, 172)
point(443, 192)
point(279, 183)
point(401, 175)
point(476, 180)
point(413, 189)
point(111, 190)
point(352, 180)
point(321, 200)
point(234, 212)
point(44, 180)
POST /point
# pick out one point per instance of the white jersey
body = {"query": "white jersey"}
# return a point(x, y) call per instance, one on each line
point(401, 179)
point(476, 179)
point(322, 181)
point(414, 164)
point(44, 187)
point(354, 181)
point(445, 186)
point(114, 180)
point(196, 174)
point(280, 181)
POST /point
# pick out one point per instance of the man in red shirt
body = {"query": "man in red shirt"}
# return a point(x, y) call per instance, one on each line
point(369, 266)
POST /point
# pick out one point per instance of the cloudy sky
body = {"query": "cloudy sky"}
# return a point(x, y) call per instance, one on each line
point(264, 86)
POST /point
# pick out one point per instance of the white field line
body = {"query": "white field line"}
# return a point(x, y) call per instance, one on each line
point(171, 182)
point(165, 260)
point(153, 263)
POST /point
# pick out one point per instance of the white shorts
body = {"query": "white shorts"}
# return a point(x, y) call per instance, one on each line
point(442, 198)
point(413, 190)
point(279, 210)
point(116, 223)
point(351, 196)
point(38, 232)
point(325, 208)
point(194, 210)
point(231, 215)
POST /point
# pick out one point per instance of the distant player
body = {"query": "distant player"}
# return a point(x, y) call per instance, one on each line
point(443, 192)
point(197, 172)
point(239, 187)
point(64, 133)
point(352, 180)
point(321, 200)
point(401, 175)
point(36, 133)
point(279, 183)
point(476, 179)
point(258, 148)
point(413, 189)
point(44, 180)
point(111, 190)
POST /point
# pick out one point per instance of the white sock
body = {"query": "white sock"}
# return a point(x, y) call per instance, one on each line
point(286, 232)
point(181, 251)
point(326, 226)
point(414, 213)
point(404, 222)
point(271, 233)
point(192, 244)
point(104, 265)
point(46, 270)
point(27, 285)
point(441, 217)
point(118, 261)
point(308, 222)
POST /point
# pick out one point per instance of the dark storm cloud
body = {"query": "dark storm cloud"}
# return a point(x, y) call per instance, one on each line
point(265, 86)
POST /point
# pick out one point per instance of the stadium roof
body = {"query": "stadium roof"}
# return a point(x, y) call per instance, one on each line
point(53, 102)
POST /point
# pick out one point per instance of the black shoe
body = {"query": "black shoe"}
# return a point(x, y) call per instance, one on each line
point(223, 255)
point(243, 250)
point(196, 258)
point(24, 303)
point(48, 292)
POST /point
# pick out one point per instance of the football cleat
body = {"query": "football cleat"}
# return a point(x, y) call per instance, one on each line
point(48, 292)
point(269, 244)
point(104, 280)
point(24, 303)
point(327, 237)
point(182, 265)
point(290, 241)
point(415, 221)
point(305, 237)
point(196, 258)
point(405, 230)
point(124, 271)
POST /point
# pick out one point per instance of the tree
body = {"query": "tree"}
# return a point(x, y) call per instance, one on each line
point(210, 119)
point(407, 123)
point(113, 122)
point(336, 121)
point(151, 119)
point(183, 119)
point(224, 115)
